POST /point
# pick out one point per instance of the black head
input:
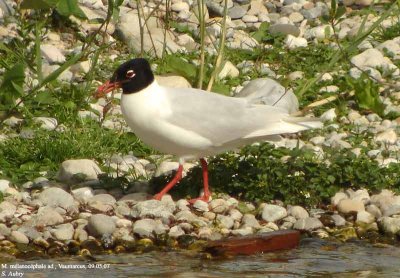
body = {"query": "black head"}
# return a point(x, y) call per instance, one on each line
point(132, 76)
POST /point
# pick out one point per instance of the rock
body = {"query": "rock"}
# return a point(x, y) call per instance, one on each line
point(388, 136)
point(154, 209)
point(374, 59)
point(363, 2)
point(328, 115)
point(268, 91)
point(52, 54)
point(100, 225)
point(78, 170)
point(338, 197)
point(228, 70)
point(391, 209)
point(272, 213)
point(374, 210)
point(249, 18)
point(134, 198)
point(180, 6)
point(236, 12)
point(81, 67)
point(46, 122)
point(390, 225)
point(285, 29)
point(102, 203)
point(148, 228)
point(225, 221)
point(46, 216)
point(339, 220)
point(365, 217)
point(218, 206)
point(390, 47)
point(293, 42)
point(312, 13)
point(242, 231)
point(308, 224)
point(7, 211)
point(83, 194)
point(63, 232)
point(361, 195)
point(249, 220)
point(152, 44)
point(4, 184)
point(176, 231)
point(4, 230)
point(56, 197)
point(18, 237)
point(298, 212)
point(166, 168)
point(348, 206)
point(296, 17)
point(257, 7)
point(173, 81)
point(200, 205)
point(80, 235)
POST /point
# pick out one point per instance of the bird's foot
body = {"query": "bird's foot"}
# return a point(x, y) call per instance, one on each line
point(204, 198)
point(158, 196)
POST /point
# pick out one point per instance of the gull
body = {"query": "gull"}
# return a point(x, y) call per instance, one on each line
point(192, 123)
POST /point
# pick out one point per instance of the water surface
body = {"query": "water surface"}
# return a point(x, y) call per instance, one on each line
point(313, 258)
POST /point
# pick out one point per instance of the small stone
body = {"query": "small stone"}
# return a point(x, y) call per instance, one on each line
point(154, 209)
point(249, 18)
point(225, 221)
point(361, 195)
point(176, 231)
point(249, 220)
point(242, 231)
point(78, 170)
point(390, 225)
point(228, 70)
point(82, 194)
point(296, 17)
point(56, 197)
point(4, 184)
point(180, 6)
point(272, 213)
point(285, 29)
point(328, 115)
point(218, 206)
point(46, 216)
point(46, 122)
point(374, 210)
point(236, 12)
point(298, 212)
point(209, 215)
point(365, 217)
point(348, 206)
point(200, 205)
point(391, 209)
point(123, 223)
point(7, 211)
point(148, 227)
point(388, 136)
point(339, 220)
point(308, 224)
point(101, 224)
point(18, 237)
point(102, 203)
point(80, 235)
point(293, 42)
point(63, 232)
point(52, 54)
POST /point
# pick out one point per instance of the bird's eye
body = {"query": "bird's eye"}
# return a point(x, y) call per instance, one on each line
point(130, 73)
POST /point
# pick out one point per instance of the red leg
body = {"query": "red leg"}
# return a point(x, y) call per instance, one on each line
point(207, 194)
point(177, 178)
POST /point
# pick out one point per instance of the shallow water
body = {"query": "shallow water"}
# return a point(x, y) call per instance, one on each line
point(313, 258)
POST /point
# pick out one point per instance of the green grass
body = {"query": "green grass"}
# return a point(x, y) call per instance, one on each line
point(23, 159)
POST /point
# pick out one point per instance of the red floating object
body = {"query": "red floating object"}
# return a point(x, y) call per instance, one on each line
point(247, 245)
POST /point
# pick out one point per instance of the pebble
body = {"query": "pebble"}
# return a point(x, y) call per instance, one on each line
point(200, 205)
point(52, 54)
point(153, 208)
point(272, 213)
point(76, 170)
point(347, 206)
point(293, 42)
point(56, 197)
point(298, 212)
point(365, 217)
point(236, 12)
point(63, 232)
point(4, 184)
point(249, 220)
point(46, 216)
point(18, 237)
point(308, 224)
point(148, 228)
point(101, 224)
point(285, 29)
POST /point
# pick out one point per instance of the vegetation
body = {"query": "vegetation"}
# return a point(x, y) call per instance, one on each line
point(258, 172)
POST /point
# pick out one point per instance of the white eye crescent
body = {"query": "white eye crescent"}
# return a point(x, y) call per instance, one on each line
point(130, 73)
